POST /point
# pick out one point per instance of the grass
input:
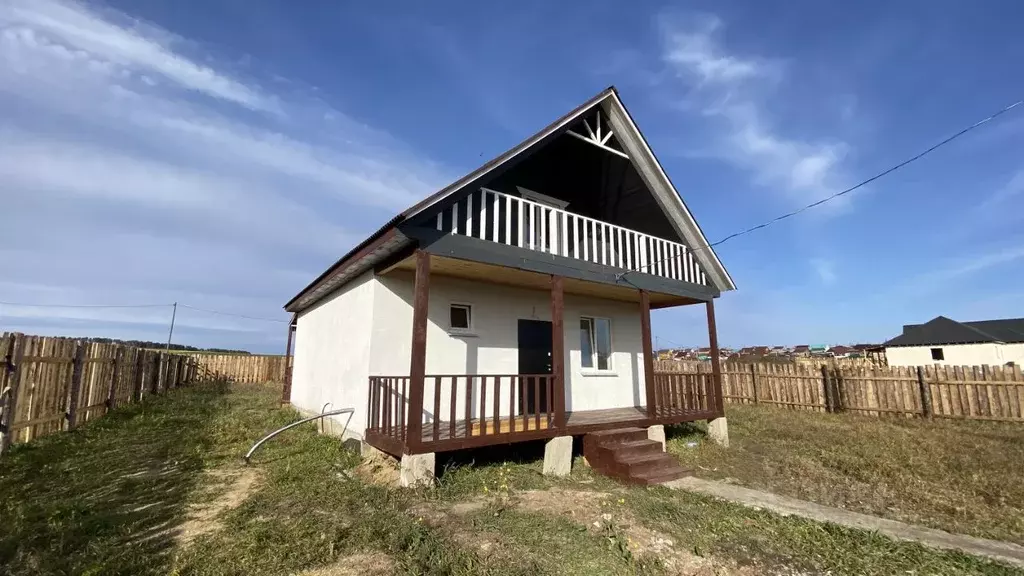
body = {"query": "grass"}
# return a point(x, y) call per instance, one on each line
point(960, 476)
point(115, 496)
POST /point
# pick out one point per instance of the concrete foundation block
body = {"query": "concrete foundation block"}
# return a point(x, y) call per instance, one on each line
point(558, 456)
point(657, 433)
point(718, 431)
point(416, 470)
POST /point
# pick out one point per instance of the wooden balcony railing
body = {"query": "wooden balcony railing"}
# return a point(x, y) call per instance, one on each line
point(514, 221)
point(462, 411)
point(687, 396)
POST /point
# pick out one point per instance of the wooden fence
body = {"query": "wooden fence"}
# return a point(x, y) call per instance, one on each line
point(246, 368)
point(50, 385)
point(978, 392)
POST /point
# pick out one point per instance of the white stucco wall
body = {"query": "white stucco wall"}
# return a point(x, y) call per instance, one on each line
point(493, 349)
point(332, 355)
point(1013, 353)
point(956, 355)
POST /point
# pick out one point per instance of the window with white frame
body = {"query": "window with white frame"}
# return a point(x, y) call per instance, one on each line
point(460, 317)
point(596, 343)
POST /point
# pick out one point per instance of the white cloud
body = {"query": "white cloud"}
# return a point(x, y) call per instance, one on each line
point(825, 270)
point(694, 50)
point(1013, 188)
point(973, 263)
point(130, 171)
point(83, 34)
point(731, 91)
point(949, 276)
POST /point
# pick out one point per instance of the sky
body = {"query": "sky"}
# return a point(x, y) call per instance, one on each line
point(222, 153)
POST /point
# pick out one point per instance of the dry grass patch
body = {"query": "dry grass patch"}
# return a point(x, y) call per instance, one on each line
point(378, 468)
point(960, 476)
point(603, 515)
point(363, 564)
point(226, 490)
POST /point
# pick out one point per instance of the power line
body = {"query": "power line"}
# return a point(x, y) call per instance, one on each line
point(232, 314)
point(861, 184)
point(38, 305)
point(218, 312)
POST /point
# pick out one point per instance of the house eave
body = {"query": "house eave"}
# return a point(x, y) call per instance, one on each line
point(382, 245)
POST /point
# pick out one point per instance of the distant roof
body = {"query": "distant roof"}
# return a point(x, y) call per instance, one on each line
point(942, 330)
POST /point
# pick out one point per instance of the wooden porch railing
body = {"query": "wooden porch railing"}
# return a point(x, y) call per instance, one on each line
point(388, 409)
point(462, 411)
point(678, 395)
point(514, 221)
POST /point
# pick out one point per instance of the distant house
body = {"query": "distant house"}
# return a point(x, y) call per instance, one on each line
point(818, 349)
point(801, 350)
point(841, 351)
point(948, 342)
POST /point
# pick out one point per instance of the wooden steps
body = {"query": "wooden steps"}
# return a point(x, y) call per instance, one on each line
point(627, 455)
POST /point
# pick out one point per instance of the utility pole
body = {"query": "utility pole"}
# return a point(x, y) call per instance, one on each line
point(174, 313)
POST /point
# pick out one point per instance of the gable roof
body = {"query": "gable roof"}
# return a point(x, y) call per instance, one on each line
point(942, 330)
point(388, 240)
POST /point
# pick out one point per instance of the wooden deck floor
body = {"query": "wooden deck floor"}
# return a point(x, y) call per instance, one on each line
point(577, 422)
point(521, 428)
point(605, 416)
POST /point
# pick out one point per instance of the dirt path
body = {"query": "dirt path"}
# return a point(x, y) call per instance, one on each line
point(598, 512)
point(1000, 551)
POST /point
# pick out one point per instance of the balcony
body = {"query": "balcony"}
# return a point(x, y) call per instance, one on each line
point(523, 223)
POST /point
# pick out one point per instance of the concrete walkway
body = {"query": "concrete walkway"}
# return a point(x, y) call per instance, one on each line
point(1000, 551)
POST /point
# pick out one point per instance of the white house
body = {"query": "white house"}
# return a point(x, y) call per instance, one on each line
point(948, 342)
point(514, 305)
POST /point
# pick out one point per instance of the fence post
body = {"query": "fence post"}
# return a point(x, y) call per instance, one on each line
point(140, 370)
point(161, 373)
point(753, 382)
point(118, 357)
point(77, 367)
point(826, 385)
point(15, 353)
point(154, 376)
point(926, 393)
point(838, 390)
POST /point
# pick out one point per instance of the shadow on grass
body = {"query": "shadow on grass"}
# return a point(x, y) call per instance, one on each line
point(111, 496)
point(518, 453)
point(686, 430)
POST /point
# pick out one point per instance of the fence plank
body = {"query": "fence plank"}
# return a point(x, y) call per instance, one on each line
point(925, 392)
point(989, 393)
point(14, 369)
point(76, 386)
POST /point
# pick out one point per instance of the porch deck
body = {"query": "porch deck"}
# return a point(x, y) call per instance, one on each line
point(678, 400)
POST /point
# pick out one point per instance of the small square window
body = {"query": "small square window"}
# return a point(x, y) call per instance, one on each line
point(460, 317)
point(937, 354)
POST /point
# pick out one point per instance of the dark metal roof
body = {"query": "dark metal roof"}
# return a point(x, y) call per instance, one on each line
point(942, 330)
point(1010, 330)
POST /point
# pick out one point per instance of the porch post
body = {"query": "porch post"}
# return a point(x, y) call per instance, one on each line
point(286, 393)
point(418, 364)
point(558, 349)
point(716, 364)
point(645, 338)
